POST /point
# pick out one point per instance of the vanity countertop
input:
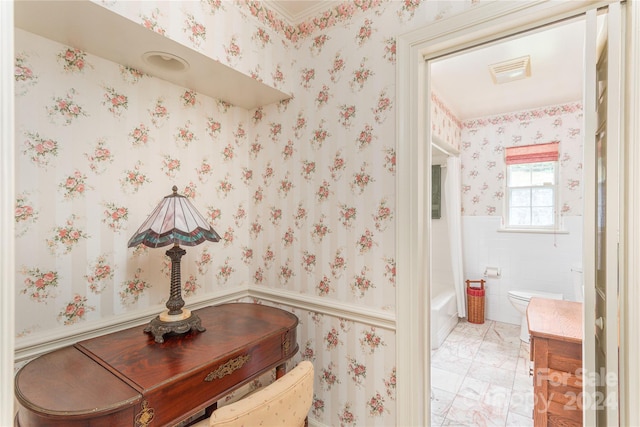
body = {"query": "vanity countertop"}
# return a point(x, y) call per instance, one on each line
point(556, 319)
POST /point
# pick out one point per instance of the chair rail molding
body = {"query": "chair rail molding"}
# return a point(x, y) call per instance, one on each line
point(357, 313)
point(33, 346)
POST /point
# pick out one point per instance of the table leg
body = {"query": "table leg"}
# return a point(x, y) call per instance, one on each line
point(281, 370)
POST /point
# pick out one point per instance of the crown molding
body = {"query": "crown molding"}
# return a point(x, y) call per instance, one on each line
point(295, 13)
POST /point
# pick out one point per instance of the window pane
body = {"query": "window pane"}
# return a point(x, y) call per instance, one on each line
point(531, 194)
point(542, 216)
point(519, 216)
point(519, 175)
point(543, 173)
point(520, 197)
point(542, 197)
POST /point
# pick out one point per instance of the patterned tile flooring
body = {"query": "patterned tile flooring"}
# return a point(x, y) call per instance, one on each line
point(480, 377)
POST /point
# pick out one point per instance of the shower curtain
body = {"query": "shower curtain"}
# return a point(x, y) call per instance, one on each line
point(453, 200)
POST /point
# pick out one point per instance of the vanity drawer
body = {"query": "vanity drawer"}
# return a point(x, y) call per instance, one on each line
point(565, 356)
point(210, 383)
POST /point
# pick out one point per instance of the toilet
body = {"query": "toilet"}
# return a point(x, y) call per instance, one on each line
point(578, 283)
point(520, 300)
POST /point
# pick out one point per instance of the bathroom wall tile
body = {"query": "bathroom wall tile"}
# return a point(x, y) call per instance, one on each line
point(527, 261)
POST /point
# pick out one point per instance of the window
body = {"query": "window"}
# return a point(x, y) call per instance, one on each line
point(532, 193)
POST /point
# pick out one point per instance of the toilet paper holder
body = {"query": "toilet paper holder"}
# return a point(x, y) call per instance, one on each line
point(492, 272)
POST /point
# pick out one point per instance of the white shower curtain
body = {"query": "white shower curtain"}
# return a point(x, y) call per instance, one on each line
point(453, 200)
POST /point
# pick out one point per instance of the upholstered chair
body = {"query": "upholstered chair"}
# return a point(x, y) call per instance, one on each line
point(285, 402)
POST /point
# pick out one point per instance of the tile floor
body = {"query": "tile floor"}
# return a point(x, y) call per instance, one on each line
point(480, 377)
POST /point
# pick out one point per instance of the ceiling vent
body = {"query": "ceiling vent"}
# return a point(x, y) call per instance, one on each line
point(511, 70)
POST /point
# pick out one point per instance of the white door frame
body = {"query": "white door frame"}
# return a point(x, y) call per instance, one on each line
point(7, 213)
point(630, 229)
point(484, 23)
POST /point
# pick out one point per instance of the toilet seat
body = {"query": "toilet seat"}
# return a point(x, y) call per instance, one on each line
point(526, 296)
point(520, 301)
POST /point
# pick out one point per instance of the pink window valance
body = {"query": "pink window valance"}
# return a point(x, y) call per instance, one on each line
point(533, 153)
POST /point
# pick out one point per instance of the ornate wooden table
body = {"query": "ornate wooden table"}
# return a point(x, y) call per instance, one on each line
point(127, 379)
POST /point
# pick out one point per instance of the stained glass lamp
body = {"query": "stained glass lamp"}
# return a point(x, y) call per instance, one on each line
point(174, 221)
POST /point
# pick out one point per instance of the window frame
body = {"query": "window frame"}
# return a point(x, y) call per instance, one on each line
point(555, 226)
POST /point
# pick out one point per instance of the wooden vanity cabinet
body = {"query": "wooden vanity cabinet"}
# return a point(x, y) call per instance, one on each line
point(555, 328)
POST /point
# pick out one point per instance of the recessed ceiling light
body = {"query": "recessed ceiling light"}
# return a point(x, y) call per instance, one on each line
point(165, 60)
point(511, 70)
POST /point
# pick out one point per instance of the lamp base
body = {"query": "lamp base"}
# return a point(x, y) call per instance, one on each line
point(163, 324)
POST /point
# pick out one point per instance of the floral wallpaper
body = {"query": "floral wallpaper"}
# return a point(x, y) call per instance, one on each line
point(482, 155)
point(301, 191)
point(445, 126)
point(244, 35)
point(98, 147)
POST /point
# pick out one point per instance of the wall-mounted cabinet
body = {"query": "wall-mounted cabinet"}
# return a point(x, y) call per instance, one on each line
point(88, 26)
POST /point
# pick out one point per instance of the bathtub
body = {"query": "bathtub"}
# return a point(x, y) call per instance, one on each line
point(444, 317)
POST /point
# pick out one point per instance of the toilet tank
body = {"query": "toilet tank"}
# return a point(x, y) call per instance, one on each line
point(578, 283)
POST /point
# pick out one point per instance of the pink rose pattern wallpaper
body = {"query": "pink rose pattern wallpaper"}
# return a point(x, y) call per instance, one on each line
point(301, 191)
point(483, 141)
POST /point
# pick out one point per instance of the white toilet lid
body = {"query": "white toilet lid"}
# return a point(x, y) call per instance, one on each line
point(527, 295)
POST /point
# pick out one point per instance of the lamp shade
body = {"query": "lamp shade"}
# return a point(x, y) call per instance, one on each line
point(174, 221)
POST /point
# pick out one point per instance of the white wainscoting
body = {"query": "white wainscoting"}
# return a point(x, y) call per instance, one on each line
point(527, 261)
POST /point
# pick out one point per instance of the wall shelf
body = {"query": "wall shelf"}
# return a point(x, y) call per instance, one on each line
point(99, 31)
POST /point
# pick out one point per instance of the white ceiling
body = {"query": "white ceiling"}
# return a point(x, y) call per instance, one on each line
point(464, 83)
point(463, 80)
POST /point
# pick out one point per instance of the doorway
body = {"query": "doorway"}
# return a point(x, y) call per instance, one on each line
point(481, 25)
point(516, 91)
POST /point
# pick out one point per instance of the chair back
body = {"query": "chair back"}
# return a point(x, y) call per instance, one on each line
point(285, 402)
